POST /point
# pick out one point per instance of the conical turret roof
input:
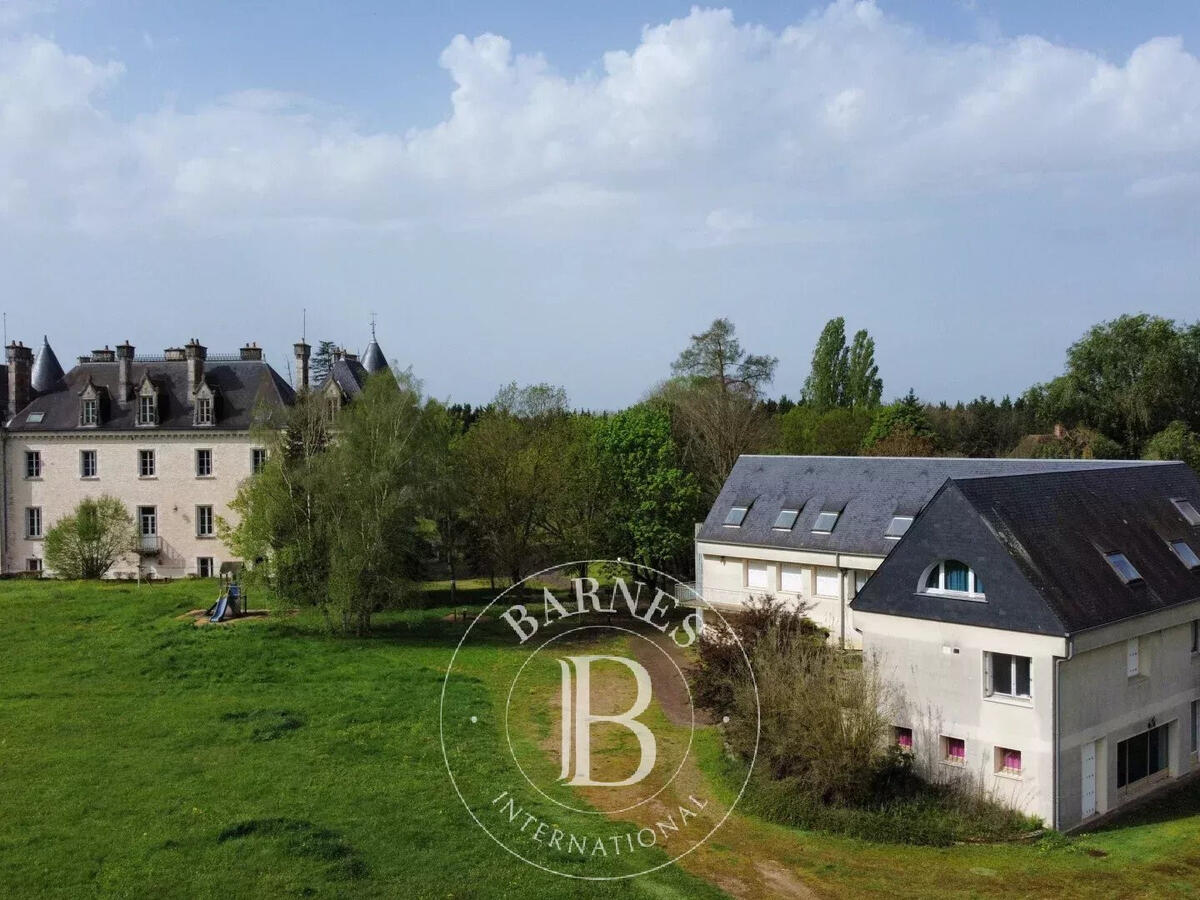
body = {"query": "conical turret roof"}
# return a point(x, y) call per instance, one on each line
point(47, 373)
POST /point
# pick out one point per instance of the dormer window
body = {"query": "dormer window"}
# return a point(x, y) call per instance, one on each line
point(204, 406)
point(89, 406)
point(953, 578)
point(147, 408)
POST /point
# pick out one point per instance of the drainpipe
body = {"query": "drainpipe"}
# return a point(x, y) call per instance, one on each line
point(1057, 741)
point(841, 597)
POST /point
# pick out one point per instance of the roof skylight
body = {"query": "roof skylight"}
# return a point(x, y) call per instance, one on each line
point(736, 515)
point(1188, 511)
point(1123, 567)
point(786, 519)
point(34, 417)
point(897, 527)
point(1185, 553)
point(826, 521)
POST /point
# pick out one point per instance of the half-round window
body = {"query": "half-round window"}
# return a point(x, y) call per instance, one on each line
point(952, 577)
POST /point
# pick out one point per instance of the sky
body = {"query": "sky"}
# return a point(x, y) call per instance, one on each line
point(549, 192)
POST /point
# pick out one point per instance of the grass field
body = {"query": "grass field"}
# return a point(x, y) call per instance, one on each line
point(143, 756)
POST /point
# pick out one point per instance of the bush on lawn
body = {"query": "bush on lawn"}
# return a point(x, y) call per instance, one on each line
point(87, 542)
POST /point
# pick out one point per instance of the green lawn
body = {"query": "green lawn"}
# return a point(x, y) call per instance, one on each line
point(143, 756)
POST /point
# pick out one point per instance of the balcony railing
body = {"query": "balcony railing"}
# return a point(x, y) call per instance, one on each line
point(149, 544)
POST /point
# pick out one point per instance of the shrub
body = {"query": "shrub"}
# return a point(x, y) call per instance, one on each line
point(86, 543)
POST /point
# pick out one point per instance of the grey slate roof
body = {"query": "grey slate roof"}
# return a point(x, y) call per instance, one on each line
point(871, 489)
point(241, 385)
point(1039, 541)
point(349, 374)
point(373, 359)
point(47, 373)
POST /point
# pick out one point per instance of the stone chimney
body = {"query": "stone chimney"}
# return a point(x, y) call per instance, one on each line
point(252, 351)
point(20, 374)
point(196, 353)
point(303, 353)
point(124, 371)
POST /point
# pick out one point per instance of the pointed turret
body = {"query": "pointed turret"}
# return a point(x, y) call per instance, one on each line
point(47, 373)
point(373, 359)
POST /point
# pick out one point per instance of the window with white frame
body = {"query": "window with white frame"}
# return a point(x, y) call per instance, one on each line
point(953, 577)
point(736, 515)
point(826, 521)
point(204, 566)
point(258, 459)
point(826, 582)
point(756, 575)
point(204, 411)
point(34, 564)
point(1007, 675)
point(786, 519)
point(1133, 657)
point(204, 463)
point(897, 527)
point(146, 464)
point(1008, 761)
point(89, 466)
point(791, 578)
point(89, 411)
point(148, 409)
point(33, 464)
point(33, 521)
point(204, 521)
point(147, 521)
point(860, 580)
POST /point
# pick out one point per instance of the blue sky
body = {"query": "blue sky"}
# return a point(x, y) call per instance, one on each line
point(566, 191)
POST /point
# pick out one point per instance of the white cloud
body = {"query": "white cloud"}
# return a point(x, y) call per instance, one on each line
point(703, 114)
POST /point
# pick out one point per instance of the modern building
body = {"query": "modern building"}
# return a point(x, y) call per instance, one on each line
point(812, 529)
point(1043, 630)
point(171, 435)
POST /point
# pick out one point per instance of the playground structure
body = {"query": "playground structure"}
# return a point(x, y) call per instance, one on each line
point(232, 601)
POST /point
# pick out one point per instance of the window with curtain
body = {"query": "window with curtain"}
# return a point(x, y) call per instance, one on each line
point(953, 577)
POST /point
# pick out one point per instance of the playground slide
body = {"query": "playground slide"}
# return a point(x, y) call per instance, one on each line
point(222, 608)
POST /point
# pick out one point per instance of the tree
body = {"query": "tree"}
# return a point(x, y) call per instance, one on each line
point(806, 430)
point(826, 381)
point(87, 542)
point(655, 500)
point(281, 510)
point(901, 429)
point(579, 518)
point(375, 481)
point(864, 387)
point(715, 398)
point(716, 355)
point(1128, 378)
point(1176, 441)
point(322, 361)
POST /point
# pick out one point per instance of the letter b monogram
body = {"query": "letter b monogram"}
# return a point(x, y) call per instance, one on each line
point(577, 720)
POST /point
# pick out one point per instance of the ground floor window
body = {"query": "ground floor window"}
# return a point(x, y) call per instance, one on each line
point(1008, 762)
point(204, 566)
point(1141, 756)
point(756, 575)
point(33, 564)
point(904, 738)
point(954, 751)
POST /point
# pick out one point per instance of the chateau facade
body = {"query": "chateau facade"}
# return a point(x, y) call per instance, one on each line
point(172, 436)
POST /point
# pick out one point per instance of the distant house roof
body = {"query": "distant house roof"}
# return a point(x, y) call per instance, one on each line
point(1039, 541)
point(348, 374)
point(47, 373)
point(867, 491)
point(240, 386)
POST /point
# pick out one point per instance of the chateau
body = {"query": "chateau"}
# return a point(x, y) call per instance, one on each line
point(171, 435)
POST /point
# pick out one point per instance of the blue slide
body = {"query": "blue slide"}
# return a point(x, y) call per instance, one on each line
point(222, 608)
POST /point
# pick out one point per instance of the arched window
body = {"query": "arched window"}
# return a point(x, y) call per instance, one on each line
point(952, 577)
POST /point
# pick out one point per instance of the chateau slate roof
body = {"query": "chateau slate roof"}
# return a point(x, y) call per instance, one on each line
point(1045, 535)
point(47, 372)
point(349, 374)
point(373, 359)
point(870, 491)
point(241, 385)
